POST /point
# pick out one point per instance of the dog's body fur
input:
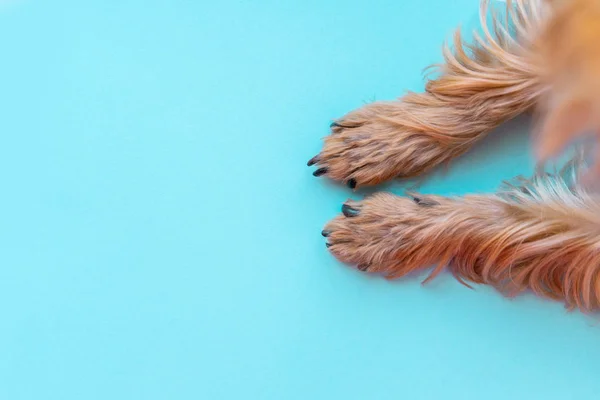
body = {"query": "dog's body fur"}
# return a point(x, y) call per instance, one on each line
point(541, 234)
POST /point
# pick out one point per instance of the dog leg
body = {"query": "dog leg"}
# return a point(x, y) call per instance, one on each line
point(480, 86)
point(541, 234)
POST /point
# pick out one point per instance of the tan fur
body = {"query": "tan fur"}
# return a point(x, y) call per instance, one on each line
point(569, 50)
point(480, 86)
point(541, 234)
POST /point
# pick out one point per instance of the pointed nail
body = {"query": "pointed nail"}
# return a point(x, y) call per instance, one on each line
point(349, 211)
point(325, 233)
point(364, 267)
point(320, 171)
point(313, 161)
point(425, 202)
point(328, 245)
point(352, 183)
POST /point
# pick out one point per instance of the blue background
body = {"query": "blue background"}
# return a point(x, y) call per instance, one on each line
point(160, 230)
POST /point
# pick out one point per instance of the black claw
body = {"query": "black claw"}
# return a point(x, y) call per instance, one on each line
point(313, 161)
point(352, 183)
point(424, 201)
point(325, 233)
point(363, 267)
point(328, 245)
point(320, 171)
point(349, 211)
point(338, 125)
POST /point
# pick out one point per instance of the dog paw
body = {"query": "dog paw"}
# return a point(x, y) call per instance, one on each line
point(376, 233)
point(376, 143)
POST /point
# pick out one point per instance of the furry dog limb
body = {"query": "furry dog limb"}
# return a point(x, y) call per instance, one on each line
point(480, 86)
point(541, 234)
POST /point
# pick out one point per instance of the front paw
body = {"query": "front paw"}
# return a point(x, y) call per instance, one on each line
point(374, 144)
point(375, 233)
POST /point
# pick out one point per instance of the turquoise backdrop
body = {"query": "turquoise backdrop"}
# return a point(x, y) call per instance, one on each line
point(160, 230)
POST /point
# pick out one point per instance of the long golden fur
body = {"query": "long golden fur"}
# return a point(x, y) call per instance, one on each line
point(480, 86)
point(541, 234)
